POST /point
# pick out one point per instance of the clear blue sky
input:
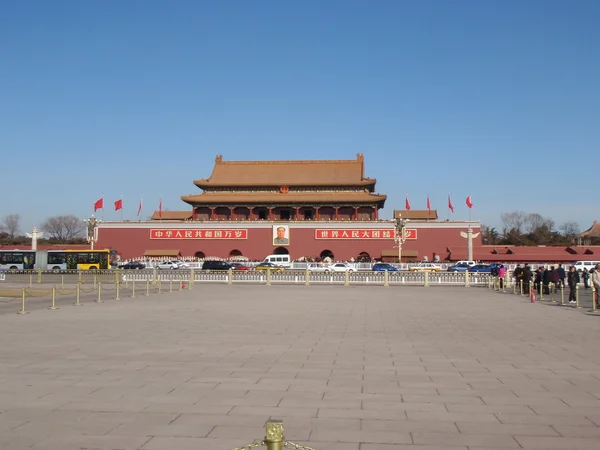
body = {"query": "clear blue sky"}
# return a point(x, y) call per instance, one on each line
point(497, 99)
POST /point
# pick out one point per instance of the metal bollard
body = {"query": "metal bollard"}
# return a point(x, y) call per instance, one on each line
point(307, 282)
point(99, 300)
point(467, 276)
point(79, 276)
point(39, 276)
point(159, 286)
point(117, 286)
point(230, 276)
point(77, 295)
point(594, 310)
point(426, 279)
point(274, 439)
point(23, 295)
point(191, 279)
point(147, 288)
point(577, 297)
point(53, 298)
point(62, 281)
point(347, 278)
point(170, 285)
point(522, 285)
point(562, 293)
point(30, 280)
point(132, 288)
point(95, 280)
point(268, 277)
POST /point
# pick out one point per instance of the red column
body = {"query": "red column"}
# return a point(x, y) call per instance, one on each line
point(250, 213)
point(297, 213)
point(211, 216)
point(270, 213)
point(231, 213)
point(317, 212)
point(337, 216)
point(356, 213)
point(376, 213)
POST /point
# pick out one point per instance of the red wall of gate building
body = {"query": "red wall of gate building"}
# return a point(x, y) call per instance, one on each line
point(253, 242)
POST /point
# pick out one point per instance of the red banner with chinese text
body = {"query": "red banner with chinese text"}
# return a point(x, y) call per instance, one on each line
point(198, 234)
point(363, 234)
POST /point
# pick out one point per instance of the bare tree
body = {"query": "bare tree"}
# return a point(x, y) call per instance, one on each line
point(569, 229)
point(11, 224)
point(63, 228)
point(535, 221)
point(513, 221)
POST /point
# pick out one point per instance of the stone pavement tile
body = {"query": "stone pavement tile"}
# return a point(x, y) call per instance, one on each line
point(78, 442)
point(532, 401)
point(315, 423)
point(220, 419)
point(564, 410)
point(386, 406)
point(362, 436)
point(172, 430)
point(544, 419)
point(133, 405)
point(181, 407)
point(578, 431)
point(274, 412)
point(306, 403)
point(450, 439)
point(43, 415)
point(410, 447)
point(253, 433)
point(506, 429)
point(452, 417)
point(557, 443)
point(316, 395)
point(235, 386)
point(408, 426)
point(242, 401)
point(362, 414)
point(452, 399)
point(492, 409)
point(469, 392)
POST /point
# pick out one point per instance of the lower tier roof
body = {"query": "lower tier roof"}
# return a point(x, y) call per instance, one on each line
point(226, 198)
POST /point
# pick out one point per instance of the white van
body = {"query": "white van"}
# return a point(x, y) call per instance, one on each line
point(580, 265)
point(280, 260)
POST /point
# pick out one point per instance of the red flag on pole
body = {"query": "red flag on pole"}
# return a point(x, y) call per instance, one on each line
point(99, 204)
point(428, 205)
point(407, 204)
point(139, 208)
point(469, 202)
point(160, 208)
point(450, 205)
point(119, 204)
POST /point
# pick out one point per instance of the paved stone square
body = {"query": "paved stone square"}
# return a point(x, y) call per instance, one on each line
point(348, 368)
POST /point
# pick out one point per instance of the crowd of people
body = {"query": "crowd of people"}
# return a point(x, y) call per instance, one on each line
point(544, 279)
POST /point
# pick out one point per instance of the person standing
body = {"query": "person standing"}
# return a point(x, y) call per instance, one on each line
point(501, 275)
point(561, 274)
point(596, 282)
point(526, 276)
point(572, 280)
point(586, 278)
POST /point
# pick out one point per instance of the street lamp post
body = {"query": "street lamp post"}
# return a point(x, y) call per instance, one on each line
point(400, 237)
point(92, 230)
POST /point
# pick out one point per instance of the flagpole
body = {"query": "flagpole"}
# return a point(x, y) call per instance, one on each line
point(121, 208)
point(102, 207)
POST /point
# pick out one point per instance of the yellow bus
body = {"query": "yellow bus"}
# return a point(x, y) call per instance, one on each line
point(78, 260)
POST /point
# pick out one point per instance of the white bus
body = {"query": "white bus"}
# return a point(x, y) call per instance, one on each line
point(17, 259)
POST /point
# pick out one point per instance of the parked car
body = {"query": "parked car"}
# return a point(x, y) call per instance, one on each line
point(341, 267)
point(462, 267)
point(425, 267)
point(318, 268)
point(133, 265)
point(169, 265)
point(481, 268)
point(239, 266)
point(216, 265)
point(269, 266)
point(384, 267)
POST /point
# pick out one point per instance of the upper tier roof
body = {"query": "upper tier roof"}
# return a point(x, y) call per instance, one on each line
point(593, 231)
point(227, 198)
point(288, 173)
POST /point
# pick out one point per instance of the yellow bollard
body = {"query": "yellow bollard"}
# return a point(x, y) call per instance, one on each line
point(562, 293)
point(23, 294)
point(62, 281)
point(154, 274)
point(230, 276)
point(307, 277)
point(77, 295)
point(160, 286)
point(79, 276)
point(39, 276)
point(53, 298)
point(577, 297)
point(426, 279)
point(347, 278)
point(467, 279)
point(99, 293)
point(170, 285)
point(541, 285)
point(268, 277)
point(132, 288)
point(147, 288)
point(274, 439)
point(30, 280)
point(117, 287)
point(95, 281)
point(191, 279)
point(522, 285)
